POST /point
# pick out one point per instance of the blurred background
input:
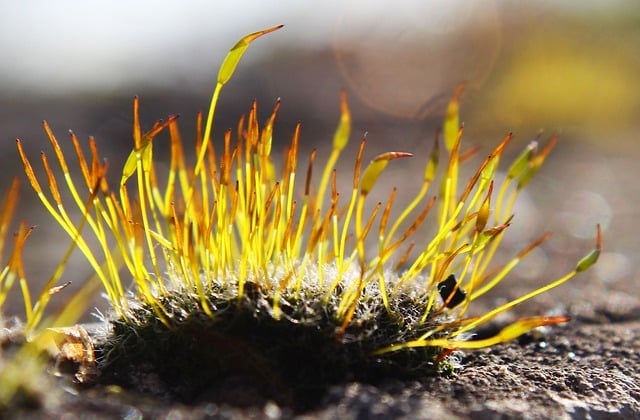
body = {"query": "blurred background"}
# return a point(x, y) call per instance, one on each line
point(570, 67)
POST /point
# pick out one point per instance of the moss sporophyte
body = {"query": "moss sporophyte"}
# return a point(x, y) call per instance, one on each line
point(241, 268)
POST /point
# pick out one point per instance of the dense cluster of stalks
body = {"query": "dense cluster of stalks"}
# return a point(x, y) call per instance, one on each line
point(233, 246)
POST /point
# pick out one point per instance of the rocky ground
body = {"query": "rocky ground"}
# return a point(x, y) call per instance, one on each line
point(588, 368)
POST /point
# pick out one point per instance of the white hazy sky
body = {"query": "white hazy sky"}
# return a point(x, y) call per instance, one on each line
point(68, 45)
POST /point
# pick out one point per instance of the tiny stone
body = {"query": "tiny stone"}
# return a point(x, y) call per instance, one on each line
point(272, 411)
point(133, 414)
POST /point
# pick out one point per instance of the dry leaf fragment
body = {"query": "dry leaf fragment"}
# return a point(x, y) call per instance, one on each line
point(76, 346)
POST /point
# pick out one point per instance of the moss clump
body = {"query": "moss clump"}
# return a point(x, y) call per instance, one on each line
point(241, 272)
point(291, 360)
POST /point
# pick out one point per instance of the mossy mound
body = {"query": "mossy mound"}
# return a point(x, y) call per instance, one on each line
point(291, 360)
